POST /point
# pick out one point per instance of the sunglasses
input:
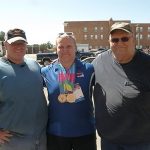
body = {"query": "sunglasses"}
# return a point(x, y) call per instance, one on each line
point(66, 33)
point(123, 39)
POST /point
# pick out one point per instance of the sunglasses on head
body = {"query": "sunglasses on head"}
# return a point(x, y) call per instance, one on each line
point(123, 39)
point(66, 33)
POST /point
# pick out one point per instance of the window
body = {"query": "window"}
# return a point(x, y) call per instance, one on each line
point(92, 37)
point(148, 36)
point(139, 29)
point(85, 37)
point(96, 37)
point(101, 37)
point(95, 29)
point(139, 36)
point(148, 29)
point(101, 28)
point(85, 29)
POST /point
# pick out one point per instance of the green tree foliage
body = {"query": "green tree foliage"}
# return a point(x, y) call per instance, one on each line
point(40, 48)
point(2, 35)
point(49, 45)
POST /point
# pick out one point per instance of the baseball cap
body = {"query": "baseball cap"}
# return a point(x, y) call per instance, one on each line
point(14, 35)
point(121, 26)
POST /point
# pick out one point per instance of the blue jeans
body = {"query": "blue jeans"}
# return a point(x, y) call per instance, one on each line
point(19, 142)
point(106, 145)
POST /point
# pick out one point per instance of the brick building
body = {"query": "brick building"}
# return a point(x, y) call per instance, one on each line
point(95, 33)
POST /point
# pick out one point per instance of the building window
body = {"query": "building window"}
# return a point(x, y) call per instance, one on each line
point(92, 37)
point(148, 29)
point(85, 29)
point(95, 29)
point(139, 36)
point(85, 37)
point(139, 29)
point(101, 37)
point(96, 37)
point(148, 36)
point(101, 28)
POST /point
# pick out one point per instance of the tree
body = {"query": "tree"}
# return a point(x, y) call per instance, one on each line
point(49, 45)
point(2, 35)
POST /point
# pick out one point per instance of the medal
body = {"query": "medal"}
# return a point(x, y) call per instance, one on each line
point(70, 98)
point(66, 78)
point(62, 98)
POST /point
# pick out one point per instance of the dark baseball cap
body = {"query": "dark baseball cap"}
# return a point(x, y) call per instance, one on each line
point(121, 26)
point(14, 35)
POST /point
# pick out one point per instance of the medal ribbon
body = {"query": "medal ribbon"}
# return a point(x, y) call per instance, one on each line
point(66, 79)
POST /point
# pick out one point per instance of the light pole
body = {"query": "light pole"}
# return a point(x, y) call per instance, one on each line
point(32, 49)
point(138, 35)
point(39, 48)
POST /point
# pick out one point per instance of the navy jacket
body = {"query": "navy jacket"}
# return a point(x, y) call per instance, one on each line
point(70, 119)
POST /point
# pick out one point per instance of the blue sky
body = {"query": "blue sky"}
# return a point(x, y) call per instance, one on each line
point(42, 20)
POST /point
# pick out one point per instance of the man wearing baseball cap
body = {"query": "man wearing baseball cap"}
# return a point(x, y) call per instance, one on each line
point(23, 107)
point(122, 26)
point(15, 35)
point(122, 93)
point(16, 45)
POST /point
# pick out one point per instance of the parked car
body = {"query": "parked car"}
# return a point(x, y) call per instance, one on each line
point(88, 59)
point(83, 55)
point(46, 61)
point(41, 57)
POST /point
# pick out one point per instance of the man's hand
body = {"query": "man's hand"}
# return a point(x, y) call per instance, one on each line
point(4, 136)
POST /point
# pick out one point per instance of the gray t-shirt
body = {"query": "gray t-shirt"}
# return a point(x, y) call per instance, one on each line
point(23, 107)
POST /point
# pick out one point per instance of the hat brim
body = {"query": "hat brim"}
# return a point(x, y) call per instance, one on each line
point(12, 40)
point(120, 29)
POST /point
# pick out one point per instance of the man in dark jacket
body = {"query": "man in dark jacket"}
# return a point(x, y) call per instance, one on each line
point(122, 93)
